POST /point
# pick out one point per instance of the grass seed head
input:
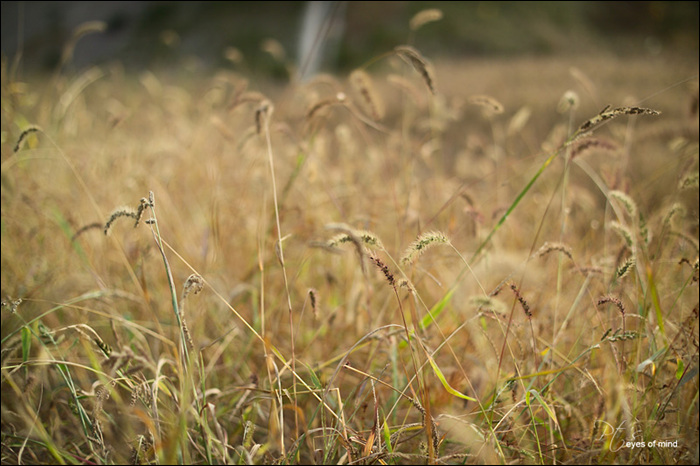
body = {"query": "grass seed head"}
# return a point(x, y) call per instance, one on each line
point(193, 284)
point(340, 98)
point(424, 17)
point(676, 209)
point(370, 99)
point(313, 300)
point(143, 203)
point(569, 101)
point(424, 241)
point(624, 233)
point(188, 336)
point(490, 105)
point(607, 114)
point(82, 30)
point(519, 120)
point(85, 228)
point(119, 212)
point(626, 266)
point(521, 300)
point(419, 63)
point(614, 300)
point(548, 247)
point(586, 145)
point(626, 201)
point(385, 270)
point(362, 237)
point(23, 135)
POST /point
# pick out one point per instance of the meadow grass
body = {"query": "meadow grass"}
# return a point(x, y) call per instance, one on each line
point(476, 261)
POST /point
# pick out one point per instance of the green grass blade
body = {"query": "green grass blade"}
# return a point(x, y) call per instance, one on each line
point(436, 310)
point(387, 436)
point(543, 403)
point(444, 382)
point(655, 301)
point(432, 314)
point(515, 203)
point(26, 343)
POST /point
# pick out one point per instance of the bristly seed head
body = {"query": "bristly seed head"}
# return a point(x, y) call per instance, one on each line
point(143, 203)
point(419, 63)
point(424, 17)
point(193, 284)
point(85, 228)
point(569, 101)
point(624, 233)
point(188, 336)
point(366, 237)
point(385, 270)
point(607, 114)
point(338, 99)
point(424, 241)
point(23, 135)
point(370, 99)
point(625, 267)
point(592, 144)
point(312, 299)
point(488, 103)
point(356, 237)
point(612, 299)
point(404, 283)
point(120, 212)
point(590, 270)
point(626, 201)
point(101, 392)
point(137, 214)
point(523, 303)
point(548, 247)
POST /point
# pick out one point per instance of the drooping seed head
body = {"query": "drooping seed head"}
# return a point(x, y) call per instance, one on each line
point(418, 62)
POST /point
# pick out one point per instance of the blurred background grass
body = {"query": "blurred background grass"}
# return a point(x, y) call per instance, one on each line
point(203, 34)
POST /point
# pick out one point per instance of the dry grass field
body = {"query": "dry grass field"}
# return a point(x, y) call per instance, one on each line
point(420, 261)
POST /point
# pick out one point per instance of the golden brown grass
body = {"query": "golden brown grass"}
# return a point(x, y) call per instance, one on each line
point(323, 325)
